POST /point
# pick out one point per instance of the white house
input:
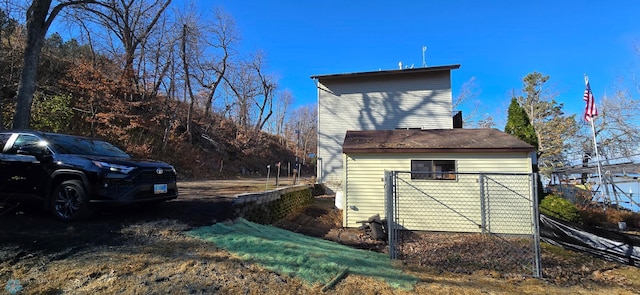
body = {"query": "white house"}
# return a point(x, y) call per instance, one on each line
point(379, 100)
point(451, 153)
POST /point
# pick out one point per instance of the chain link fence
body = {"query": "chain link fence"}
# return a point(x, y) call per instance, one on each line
point(466, 223)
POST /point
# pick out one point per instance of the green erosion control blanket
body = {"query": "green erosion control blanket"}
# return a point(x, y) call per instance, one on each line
point(313, 260)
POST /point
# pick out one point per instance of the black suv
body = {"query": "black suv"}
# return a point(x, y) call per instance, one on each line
point(72, 174)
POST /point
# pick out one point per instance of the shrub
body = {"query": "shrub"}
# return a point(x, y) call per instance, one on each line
point(555, 206)
point(595, 215)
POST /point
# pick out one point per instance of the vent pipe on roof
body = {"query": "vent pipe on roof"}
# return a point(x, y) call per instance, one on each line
point(424, 61)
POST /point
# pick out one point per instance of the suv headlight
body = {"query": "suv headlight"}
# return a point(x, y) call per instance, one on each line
point(114, 167)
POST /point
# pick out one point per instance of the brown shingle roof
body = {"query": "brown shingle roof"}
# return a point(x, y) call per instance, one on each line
point(433, 141)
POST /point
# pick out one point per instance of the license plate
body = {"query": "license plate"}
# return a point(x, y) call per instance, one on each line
point(159, 189)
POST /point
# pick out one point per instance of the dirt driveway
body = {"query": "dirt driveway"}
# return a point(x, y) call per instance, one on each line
point(119, 249)
point(199, 203)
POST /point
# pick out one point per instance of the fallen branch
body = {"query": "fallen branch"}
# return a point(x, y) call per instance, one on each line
point(335, 280)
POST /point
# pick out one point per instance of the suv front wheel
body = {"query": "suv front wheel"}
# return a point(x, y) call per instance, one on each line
point(69, 201)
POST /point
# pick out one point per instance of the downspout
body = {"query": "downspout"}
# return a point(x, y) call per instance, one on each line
point(319, 161)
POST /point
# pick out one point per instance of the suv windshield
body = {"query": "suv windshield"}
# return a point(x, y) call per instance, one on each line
point(65, 144)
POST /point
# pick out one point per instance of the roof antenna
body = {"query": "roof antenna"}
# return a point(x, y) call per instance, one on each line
point(424, 62)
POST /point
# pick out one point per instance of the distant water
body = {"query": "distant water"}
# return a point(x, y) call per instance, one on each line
point(626, 189)
point(631, 190)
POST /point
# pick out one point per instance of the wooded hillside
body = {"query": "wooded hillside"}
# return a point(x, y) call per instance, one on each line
point(181, 93)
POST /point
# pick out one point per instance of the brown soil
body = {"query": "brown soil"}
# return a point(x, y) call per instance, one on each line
point(321, 219)
point(145, 251)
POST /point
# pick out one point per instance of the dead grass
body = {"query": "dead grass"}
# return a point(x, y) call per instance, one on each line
point(157, 257)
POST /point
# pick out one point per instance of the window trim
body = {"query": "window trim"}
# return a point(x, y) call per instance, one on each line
point(432, 173)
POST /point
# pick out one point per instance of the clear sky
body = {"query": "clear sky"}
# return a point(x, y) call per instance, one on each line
point(497, 42)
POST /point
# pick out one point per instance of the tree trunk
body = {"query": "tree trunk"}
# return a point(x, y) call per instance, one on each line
point(36, 30)
point(187, 81)
point(214, 85)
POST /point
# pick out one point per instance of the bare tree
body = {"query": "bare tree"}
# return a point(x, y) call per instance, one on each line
point(244, 85)
point(164, 62)
point(617, 127)
point(268, 86)
point(186, 67)
point(131, 22)
point(212, 70)
point(170, 90)
point(468, 91)
point(206, 49)
point(158, 56)
point(486, 121)
point(303, 123)
point(39, 17)
point(283, 102)
point(76, 19)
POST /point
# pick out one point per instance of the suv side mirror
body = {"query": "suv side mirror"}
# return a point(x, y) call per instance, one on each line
point(39, 150)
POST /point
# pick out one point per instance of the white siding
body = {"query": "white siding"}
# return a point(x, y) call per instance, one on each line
point(364, 192)
point(377, 103)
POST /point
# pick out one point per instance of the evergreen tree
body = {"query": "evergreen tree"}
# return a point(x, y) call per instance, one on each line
point(551, 126)
point(518, 124)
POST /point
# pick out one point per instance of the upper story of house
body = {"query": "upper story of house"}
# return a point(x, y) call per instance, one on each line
point(382, 100)
point(378, 100)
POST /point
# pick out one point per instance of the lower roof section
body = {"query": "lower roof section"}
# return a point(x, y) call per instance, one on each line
point(433, 141)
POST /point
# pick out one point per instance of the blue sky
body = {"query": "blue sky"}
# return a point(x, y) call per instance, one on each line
point(497, 42)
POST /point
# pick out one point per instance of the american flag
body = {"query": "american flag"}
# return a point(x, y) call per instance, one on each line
point(590, 110)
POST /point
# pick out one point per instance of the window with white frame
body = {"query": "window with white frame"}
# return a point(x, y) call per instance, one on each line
point(433, 169)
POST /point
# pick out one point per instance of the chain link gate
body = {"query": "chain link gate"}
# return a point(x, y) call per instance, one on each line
point(497, 211)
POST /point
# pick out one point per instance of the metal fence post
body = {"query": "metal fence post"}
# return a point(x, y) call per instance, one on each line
point(536, 226)
point(483, 216)
point(388, 196)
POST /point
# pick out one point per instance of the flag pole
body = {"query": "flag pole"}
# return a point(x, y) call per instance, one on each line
point(595, 145)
